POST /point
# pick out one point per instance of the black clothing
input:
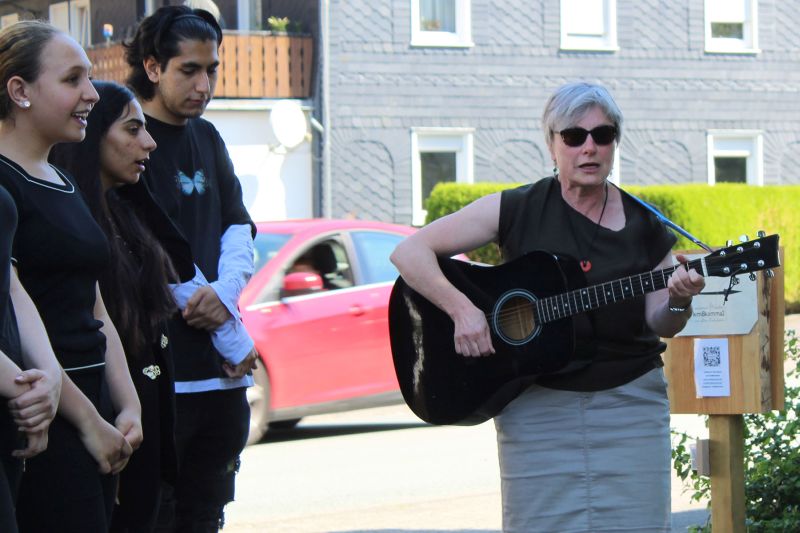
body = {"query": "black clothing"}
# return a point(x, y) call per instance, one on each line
point(155, 462)
point(9, 334)
point(192, 178)
point(60, 251)
point(536, 217)
point(10, 438)
point(61, 488)
point(198, 499)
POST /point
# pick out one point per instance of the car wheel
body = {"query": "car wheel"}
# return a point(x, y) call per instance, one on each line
point(284, 424)
point(258, 398)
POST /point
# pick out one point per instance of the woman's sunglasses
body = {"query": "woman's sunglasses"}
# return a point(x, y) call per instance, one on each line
point(602, 135)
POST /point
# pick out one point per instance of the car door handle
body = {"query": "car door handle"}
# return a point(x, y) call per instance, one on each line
point(357, 310)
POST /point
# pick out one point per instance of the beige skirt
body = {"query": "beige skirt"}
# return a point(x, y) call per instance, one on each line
point(587, 462)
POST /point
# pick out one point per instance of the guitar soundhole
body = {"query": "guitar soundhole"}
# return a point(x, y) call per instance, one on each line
point(514, 320)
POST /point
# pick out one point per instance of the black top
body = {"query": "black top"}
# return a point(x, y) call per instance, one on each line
point(9, 334)
point(60, 251)
point(536, 217)
point(191, 176)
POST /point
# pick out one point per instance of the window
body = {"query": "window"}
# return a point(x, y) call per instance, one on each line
point(589, 25)
point(373, 249)
point(73, 17)
point(8, 20)
point(731, 26)
point(735, 157)
point(438, 155)
point(441, 23)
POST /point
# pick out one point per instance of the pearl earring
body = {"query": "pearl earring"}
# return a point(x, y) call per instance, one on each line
point(555, 171)
point(25, 104)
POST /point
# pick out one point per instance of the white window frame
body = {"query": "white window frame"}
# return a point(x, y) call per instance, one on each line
point(458, 140)
point(78, 19)
point(9, 19)
point(604, 41)
point(748, 44)
point(737, 143)
point(461, 38)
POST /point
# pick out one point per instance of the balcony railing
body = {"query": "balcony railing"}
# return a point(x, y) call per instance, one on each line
point(253, 65)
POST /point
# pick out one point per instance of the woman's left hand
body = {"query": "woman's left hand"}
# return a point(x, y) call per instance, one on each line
point(683, 284)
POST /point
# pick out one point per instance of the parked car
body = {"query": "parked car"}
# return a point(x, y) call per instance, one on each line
point(317, 310)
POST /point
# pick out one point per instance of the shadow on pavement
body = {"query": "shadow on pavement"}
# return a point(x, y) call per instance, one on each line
point(682, 520)
point(320, 431)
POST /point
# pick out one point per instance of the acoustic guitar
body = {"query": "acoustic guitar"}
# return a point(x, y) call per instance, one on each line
point(529, 304)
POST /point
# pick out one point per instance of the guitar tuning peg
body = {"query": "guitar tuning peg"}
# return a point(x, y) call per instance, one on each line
point(752, 276)
point(761, 234)
point(728, 243)
point(744, 238)
point(769, 273)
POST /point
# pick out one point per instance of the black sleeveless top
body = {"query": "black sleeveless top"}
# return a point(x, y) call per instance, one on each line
point(60, 251)
point(9, 334)
point(536, 217)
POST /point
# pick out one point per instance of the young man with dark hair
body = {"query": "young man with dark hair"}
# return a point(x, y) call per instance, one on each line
point(174, 60)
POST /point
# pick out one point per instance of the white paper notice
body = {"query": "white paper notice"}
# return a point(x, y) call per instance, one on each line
point(711, 368)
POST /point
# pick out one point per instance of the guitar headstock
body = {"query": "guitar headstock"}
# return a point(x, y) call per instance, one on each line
point(745, 257)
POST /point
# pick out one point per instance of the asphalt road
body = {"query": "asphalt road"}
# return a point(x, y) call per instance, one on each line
point(382, 470)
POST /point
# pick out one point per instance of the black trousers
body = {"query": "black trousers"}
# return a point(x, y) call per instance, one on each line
point(61, 488)
point(210, 432)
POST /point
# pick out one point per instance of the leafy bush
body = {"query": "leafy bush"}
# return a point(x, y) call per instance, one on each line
point(772, 461)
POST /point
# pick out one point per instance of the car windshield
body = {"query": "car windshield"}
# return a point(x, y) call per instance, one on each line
point(266, 245)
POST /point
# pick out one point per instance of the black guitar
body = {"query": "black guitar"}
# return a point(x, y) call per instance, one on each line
point(529, 304)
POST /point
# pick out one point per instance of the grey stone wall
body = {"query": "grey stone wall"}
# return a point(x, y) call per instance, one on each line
point(670, 90)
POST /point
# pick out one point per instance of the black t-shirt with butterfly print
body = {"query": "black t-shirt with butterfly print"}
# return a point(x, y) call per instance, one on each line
point(191, 176)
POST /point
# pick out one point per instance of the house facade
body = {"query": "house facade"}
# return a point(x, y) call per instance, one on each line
point(408, 93)
point(259, 73)
point(422, 91)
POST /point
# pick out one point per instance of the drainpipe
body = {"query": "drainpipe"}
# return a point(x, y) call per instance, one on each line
point(324, 31)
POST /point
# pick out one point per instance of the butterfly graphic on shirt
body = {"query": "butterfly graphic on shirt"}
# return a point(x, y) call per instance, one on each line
point(189, 185)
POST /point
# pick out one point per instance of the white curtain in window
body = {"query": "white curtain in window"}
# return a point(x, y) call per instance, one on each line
point(727, 10)
point(437, 15)
point(584, 17)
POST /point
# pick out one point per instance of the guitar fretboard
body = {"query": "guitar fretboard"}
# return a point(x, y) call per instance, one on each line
point(588, 298)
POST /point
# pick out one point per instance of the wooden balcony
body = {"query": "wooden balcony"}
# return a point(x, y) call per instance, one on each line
point(253, 65)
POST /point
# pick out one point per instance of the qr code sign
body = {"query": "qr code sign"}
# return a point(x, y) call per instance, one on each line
point(711, 356)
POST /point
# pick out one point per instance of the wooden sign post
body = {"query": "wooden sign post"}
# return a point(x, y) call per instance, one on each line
point(756, 386)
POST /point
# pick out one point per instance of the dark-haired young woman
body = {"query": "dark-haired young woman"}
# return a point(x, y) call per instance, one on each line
point(45, 97)
point(144, 247)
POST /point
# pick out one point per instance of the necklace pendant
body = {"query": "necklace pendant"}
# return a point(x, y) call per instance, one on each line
point(586, 265)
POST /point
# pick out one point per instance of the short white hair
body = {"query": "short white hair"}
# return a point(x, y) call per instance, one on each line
point(568, 103)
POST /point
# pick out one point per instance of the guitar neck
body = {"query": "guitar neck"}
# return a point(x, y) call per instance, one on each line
point(595, 296)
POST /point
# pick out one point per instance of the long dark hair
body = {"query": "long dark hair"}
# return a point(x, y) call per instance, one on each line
point(135, 289)
point(159, 36)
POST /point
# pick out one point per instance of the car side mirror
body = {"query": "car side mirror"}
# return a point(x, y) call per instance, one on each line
point(299, 283)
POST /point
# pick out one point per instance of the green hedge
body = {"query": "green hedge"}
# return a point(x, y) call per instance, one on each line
point(713, 214)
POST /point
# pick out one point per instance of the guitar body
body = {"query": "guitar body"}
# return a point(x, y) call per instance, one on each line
point(530, 303)
point(443, 387)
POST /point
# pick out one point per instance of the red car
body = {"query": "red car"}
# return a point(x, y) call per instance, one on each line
point(317, 310)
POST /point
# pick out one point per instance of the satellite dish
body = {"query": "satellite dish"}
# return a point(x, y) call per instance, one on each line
point(288, 123)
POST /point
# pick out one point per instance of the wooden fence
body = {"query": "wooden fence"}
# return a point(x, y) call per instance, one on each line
point(253, 65)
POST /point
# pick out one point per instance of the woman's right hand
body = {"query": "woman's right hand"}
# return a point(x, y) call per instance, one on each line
point(107, 445)
point(471, 337)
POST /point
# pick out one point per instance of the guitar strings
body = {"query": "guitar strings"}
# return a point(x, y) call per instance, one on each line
point(534, 305)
